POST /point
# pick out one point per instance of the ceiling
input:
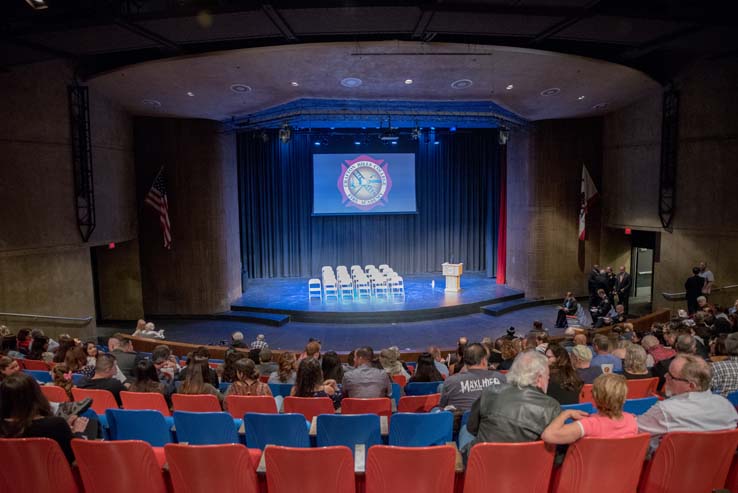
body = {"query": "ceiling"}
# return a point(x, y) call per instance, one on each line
point(609, 51)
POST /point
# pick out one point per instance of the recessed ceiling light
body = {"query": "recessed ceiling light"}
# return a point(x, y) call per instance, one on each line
point(351, 82)
point(461, 83)
point(509, 87)
point(580, 98)
point(152, 103)
point(408, 81)
point(294, 83)
point(240, 88)
point(191, 94)
point(551, 91)
point(600, 106)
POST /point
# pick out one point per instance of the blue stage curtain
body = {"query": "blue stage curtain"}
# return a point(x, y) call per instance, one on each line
point(457, 192)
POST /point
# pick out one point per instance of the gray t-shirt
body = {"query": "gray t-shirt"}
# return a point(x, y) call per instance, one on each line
point(462, 389)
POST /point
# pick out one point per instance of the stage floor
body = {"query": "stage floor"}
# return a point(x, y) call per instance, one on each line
point(421, 300)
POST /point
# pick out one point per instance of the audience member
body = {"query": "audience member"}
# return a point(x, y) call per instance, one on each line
point(76, 361)
point(247, 380)
point(685, 344)
point(105, 370)
point(62, 377)
point(149, 331)
point(456, 360)
point(634, 364)
point(23, 341)
point(365, 381)
point(508, 351)
point(266, 366)
point(200, 355)
point(312, 350)
point(601, 346)
point(581, 359)
point(691, 405)
point(26, 413)
point(693, 287)
point(426, 370)
point(237, 340)
point(725, 373)
point(125, 356)
point(623, 284)
point(229, 370)
point(65, 343)
point(259, 342)
point(332, 367)
point(438, 360)
point(600, 308)
point(459, 391)
point(91, 352)
point(609, 393)
point(310, 383)
point(656, 350)
point(286, 372)
point(518, 411)
point(708, 276)
point(8, 366)
point(568, 308)
point(564, 383)
point(146, 379)
point(389, 359)
point(198, 379)
point(39, 346)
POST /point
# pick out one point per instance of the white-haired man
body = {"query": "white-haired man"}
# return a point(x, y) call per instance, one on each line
point(516, 411)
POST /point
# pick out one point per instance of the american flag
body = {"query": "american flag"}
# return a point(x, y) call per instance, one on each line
point(157, 198)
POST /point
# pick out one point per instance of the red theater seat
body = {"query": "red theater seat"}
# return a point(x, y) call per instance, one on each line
point(418, 403)
point(101, 399)
point(34, 465)
point(145, 401)
point(216, 468)
point(309, 406)
point(54, 393)
point(30, 364)
point(194, 403)
point(310, 470)
point(507, 466)
point(404, 469)
point(381, 406)
point(238, 405)
point(643, 387)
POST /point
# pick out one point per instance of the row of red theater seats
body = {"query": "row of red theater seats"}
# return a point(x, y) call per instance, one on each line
point(685, 462)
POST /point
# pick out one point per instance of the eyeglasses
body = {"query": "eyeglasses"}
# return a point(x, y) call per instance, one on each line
point(668, 374)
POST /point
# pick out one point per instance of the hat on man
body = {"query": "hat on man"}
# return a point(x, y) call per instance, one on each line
point(582, 352)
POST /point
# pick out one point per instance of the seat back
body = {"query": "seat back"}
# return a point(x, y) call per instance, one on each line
point(101, 399)
point(348, 430)
point(587, 407)
point(118, 466)
point(708, 454)
point(288, 430)
point(308, 406)
point(426, 469)
point(307, 470)
point(54, 393)
point(198, 428)
point(153, 401)
point(507, 466)
point(421, 429)
point(238, 405)
point(639, 406)
point(146, 425)
point(381, 406)
point(194, 403)
point(222, 462)
point(34, 465)
point(418, 403)
point(39, 375)
point(583, 469)
point(422, 388)
point(585, 395)
point(399, 379)
point(282, 389)
point(642, 387)
point(34, 364)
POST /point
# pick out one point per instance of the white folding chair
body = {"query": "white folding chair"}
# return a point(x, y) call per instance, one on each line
point(397, 286)
point(346, 286)
point(363, 287)
point(330, 287)
point(315, 289)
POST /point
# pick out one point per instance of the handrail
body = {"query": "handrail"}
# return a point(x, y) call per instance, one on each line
point(683, 294)
point(46, 317)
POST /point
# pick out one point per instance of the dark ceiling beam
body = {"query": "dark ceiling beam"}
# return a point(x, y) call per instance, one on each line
point(57, 53)
point(165, 43)
point(587, 11)
point(279, 22)
point(657, 43)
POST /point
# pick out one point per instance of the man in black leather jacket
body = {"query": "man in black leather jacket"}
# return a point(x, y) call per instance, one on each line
point(517, 411)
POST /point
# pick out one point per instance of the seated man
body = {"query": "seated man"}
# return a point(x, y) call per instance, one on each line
point(725, 373)
point(518, 411)
point(581, 359)
point(601, 345)
point(690, 406)
point(600, 307)
point(365, 381)
point(462, 389)
point(104, 378)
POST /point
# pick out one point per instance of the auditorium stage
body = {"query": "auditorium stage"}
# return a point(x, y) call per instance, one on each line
point(421, 300)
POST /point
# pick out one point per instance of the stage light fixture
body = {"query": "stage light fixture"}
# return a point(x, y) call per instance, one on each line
point(452, 129)
point(436, 142)
point(37, 4)
point(285, 133)
point(357, 142)
point(317, 143)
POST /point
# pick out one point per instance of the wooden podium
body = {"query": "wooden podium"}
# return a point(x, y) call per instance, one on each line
point(453, 276)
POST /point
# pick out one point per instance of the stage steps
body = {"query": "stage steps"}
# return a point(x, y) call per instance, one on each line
point(498, 309)
point(273, 319)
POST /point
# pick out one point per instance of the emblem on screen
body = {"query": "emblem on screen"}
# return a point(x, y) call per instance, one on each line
point(364, 183)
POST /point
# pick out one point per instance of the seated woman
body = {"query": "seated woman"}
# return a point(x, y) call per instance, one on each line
point(91, 352)
point(634, 364)
point(197, 379)
point(510, 349)
point(310, 383)
point(567, 309)
point(25, 412)
point(146, 379)
point(332, 367)
point(62, 377)
point(247, 380)
point(8, 366)
point(23, 344)
point(228, 373)
point(426, 370)
point(609, 392)
point(564, 383)
point(76, 361)
point(390, 361)
point(39, 346)
point(286, 372)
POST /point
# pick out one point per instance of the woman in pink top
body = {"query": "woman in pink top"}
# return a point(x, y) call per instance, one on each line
point(609, 392)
